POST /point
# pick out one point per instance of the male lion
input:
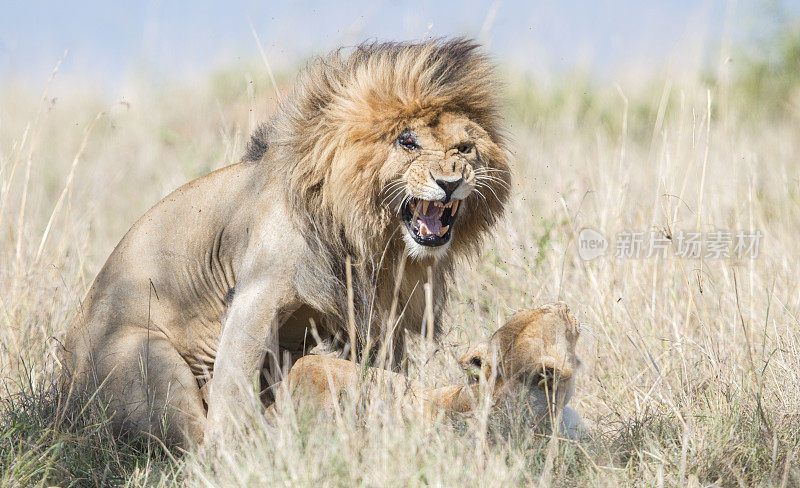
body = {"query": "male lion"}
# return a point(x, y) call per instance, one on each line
point(381, 169)
point(531, 359)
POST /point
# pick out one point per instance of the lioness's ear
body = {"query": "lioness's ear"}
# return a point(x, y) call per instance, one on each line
point(476, 361)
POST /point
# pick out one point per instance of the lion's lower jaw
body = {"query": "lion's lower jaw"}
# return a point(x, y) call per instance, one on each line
point(418, 251)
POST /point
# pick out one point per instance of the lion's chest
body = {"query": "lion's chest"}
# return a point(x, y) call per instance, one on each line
point(303, 331)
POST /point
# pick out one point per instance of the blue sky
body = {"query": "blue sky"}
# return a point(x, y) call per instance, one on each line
point(109, 41)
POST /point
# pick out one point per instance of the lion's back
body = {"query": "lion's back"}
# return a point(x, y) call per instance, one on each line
point(175, 264)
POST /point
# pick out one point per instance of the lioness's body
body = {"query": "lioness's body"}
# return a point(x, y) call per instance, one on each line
point(323, 380)
point(529, 362)
point(369, 162)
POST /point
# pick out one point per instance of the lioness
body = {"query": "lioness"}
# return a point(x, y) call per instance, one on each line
point(530, 359)
point(380, 170)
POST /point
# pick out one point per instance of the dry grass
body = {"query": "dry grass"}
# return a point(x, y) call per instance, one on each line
point(691, 370)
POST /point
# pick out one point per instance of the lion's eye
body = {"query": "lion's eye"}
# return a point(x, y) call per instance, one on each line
point(465, 147)
point(408, 141)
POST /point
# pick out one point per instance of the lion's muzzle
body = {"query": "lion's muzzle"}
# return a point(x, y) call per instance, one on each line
point(430, 222)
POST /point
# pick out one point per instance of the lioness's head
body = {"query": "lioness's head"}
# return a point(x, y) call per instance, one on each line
point(395, 141)
point(535, 349)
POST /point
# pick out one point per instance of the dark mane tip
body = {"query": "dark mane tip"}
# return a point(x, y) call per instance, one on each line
point(258, 144)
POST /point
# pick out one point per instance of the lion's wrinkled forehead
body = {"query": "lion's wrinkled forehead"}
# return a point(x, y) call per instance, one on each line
point(444, 130)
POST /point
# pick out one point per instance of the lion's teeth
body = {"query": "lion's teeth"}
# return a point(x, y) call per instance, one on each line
point(423, 230)
point(444, 230)
point(455, 207)
point(425, 204)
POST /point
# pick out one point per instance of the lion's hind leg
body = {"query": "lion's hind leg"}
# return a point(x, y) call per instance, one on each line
point(150, 388)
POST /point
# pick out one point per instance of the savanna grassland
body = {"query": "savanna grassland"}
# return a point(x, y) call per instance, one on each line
point(691, 371)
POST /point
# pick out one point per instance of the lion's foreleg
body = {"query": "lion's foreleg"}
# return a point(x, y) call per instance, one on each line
point(249, 338)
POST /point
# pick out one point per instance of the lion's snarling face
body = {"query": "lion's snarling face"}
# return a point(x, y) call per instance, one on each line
point(443, 169)
point(395, 137)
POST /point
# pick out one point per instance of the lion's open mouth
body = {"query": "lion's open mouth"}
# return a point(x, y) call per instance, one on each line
point(430, 223)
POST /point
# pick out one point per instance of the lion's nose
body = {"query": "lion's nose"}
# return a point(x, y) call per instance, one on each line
point(547, 379)
point(449, 187)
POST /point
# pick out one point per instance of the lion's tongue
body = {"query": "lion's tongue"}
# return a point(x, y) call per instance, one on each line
point(429, 225)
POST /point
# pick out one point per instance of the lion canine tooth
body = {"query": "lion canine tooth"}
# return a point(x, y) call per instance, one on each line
point(425, 204)
point(444, 230)
point(455, 207)
point(423, 230)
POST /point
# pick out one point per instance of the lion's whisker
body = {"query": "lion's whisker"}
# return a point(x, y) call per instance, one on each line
point(491, 187)
point(403, 202)
point(478, 192)
point(393, 186)
point(482, 185)
point(394, 183)
point(491, 178)
point(496, 174)
point(495, 179)
point(492, 170)
point(488, 175)
point(485, 201)
point(500, 184)
point(392, 190)
point(395, 193)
